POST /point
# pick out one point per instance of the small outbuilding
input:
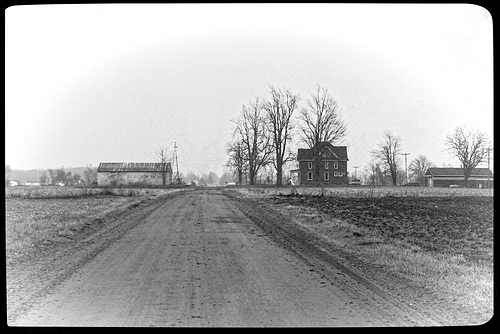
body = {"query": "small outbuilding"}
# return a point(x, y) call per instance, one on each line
point(134, 173)
point(446, 177)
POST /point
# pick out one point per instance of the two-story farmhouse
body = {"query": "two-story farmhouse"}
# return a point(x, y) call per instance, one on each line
point(329, 166)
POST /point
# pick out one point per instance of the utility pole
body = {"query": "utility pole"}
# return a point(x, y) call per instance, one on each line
point(406, 166)
point(176, 164)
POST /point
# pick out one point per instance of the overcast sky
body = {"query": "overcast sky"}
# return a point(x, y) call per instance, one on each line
point(111, 83)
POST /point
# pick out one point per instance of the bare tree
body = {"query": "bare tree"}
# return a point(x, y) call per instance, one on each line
point(238, 162)
point(44, 177)
point(469, 146)
point(388, 152)
point(371, 170)
point(321, 121)
point(89, 175)
point(279, 111)
point(162, 155)
point(61, 176)
point(419, 167)
point(53, 175)
point(251, 128)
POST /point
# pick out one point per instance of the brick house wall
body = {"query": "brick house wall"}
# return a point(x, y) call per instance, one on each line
point(335, 176)
point(333, 168)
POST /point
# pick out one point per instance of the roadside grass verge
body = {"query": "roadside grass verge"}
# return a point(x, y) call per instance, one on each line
point(53, 192)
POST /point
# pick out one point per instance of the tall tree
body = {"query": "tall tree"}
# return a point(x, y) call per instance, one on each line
point(44, 177)
point(76, 178)
point(389, 151)
point(469, 146)
point(321, 121)
point(61, 176)
point(251, 128)
point(419, 167)
point(237, 161)
point(90, 175)
point(68, 179)
point(52, 174)
point(162, 155)
point(372, 172)
point(279, 111)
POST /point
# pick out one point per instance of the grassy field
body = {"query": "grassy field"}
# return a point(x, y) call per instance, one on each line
point(37, 216)
point(76, 192)
point(438, 238)
point(369, 192)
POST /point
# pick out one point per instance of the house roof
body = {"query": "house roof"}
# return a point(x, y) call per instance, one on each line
point(437, 171)
point(339, 152)
point(134, 167)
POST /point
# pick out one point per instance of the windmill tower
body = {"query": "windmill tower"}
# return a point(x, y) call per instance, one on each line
point(175, 164)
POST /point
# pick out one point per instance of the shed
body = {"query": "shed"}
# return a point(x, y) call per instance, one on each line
point(14, 183)
point(445, 177)
point(33, 183)
point(133, 173)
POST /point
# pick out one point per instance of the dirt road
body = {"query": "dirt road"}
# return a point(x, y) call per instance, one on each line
point(202, 259)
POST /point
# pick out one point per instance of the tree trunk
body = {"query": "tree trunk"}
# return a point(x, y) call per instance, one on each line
point(279, 177)
point(466, 177)
point(251, 175)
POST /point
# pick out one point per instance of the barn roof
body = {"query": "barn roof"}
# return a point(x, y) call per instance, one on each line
point(339, 152)
point(445, 171)
point(134, 167)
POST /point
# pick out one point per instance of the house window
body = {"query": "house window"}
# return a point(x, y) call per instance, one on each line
point(309, 165)
point(327, 176)
point(327, 165)
point(310, 176)
point(335, 165)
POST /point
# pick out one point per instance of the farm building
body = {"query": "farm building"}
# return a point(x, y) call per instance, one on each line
point(129, 173)
point(14, 183)
point(332, 169)
point(33, 183)
point(445, 177)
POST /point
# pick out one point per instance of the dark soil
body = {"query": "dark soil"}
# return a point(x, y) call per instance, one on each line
point(451, 225)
